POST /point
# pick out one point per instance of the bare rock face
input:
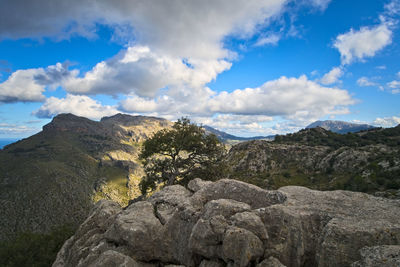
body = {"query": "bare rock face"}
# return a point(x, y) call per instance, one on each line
point(231, 223)
point(382, 256)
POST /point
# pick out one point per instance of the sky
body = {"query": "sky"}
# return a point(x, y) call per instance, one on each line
point(247, 67)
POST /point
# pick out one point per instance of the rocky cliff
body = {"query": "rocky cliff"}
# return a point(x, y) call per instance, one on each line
point(231, 223)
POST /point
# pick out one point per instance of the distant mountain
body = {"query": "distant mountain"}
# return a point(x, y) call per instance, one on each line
point(229, 138)
point(341, 127)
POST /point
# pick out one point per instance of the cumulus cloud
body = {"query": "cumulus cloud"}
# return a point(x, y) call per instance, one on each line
point(22, 86)
point(358, 45)
point(282, 97)
point(76, 104)
point(394, 84)
point(387, 121)
point(174, 43)
point(173, 50)
point(143, 72)
point(364, 81)
point(179, 28)
point(287, 97)
point(29, 85)
point(237, 124)
point(394, 87)
point(53, 76)
point(332, 76)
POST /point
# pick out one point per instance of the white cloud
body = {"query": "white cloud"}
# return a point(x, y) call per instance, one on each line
point(398, 74)
point(29, 85)
point(382, 67)
point(143, 72)
point(271, 39)
point(392, 8)
point(22, 86)
point(15, 129)
point(387, 121)
point(186, 29)
point(358, 45)
point(364, 81)
point(236, 124)
point(173, 49)
point(332, 76)
point(76, 104)
point(292, 98)
point(322, 4)
point(174, 43)
point(394, 84)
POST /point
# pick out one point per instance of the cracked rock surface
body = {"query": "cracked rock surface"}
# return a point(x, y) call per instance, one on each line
point(231, 223)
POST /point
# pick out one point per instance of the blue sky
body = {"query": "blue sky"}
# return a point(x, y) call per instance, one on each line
point(245, 67)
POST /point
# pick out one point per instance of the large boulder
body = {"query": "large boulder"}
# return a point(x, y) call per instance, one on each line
point(231, 223)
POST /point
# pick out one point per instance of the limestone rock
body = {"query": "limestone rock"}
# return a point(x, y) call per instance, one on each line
point(241, 246)
point(138, 228)
point(252, 222)
point(111, 258)
point(379, 256)
point(270, 262)
point(239, 191)
point(224, 207)
point(207, 236)
point(196, 184)
point(211, 263)
point(231, 223)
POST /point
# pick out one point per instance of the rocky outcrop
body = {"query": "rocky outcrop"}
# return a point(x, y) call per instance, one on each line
point(370, 168)
point(382, 256)
point(231, 223)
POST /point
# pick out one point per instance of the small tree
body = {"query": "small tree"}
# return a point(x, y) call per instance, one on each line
point(179, 155)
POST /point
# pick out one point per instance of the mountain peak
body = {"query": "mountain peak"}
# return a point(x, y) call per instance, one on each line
point(70, 122)
point(341, 127)
point(129, 120)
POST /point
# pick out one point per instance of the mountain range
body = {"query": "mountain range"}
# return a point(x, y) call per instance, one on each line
point(341, 127)
point(55, 177)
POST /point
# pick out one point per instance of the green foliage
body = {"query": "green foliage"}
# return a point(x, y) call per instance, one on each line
point(33, 249)
point(321, 137)
point(181, 154)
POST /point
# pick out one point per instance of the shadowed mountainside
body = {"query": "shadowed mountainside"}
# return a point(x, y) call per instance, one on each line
point(55, 176)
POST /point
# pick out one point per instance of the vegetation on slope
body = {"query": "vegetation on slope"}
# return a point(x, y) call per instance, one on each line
point(33, 249)
point(367, 161)
point(321, 137)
